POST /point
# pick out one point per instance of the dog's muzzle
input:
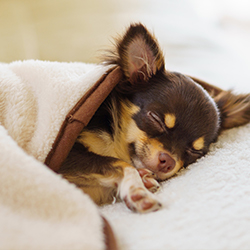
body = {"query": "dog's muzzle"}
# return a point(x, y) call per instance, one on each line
point(166, 163)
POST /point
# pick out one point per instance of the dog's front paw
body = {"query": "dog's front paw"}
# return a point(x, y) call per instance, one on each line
point(141, 200)
point(148, 179)
point(136, 196)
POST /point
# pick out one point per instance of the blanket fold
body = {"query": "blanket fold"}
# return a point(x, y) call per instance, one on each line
point(79, 117)
point(43, 107)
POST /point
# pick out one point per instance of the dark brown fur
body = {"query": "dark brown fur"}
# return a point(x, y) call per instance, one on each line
point(155, 120)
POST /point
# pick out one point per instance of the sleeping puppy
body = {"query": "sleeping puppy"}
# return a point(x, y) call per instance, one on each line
point(154, 123)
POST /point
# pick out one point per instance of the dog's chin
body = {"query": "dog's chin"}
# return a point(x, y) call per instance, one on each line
point(163, 176)
point(160, 176)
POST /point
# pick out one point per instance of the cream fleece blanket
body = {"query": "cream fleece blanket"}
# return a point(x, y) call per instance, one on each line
point(38, 209)
point(205, 206)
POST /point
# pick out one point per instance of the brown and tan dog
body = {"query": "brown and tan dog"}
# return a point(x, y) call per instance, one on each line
point(151, 125)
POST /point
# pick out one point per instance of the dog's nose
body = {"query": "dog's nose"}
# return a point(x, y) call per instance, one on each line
point(166, 163)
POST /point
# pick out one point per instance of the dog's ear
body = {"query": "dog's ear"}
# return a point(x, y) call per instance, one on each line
point(234, 109)
point(138, 54)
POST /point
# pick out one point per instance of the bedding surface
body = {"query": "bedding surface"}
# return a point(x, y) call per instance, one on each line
point(39, 209)
point(205, 206)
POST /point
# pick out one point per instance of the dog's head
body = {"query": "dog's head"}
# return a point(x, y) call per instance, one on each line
point(174, 117)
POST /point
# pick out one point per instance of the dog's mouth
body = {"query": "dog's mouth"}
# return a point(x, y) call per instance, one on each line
point(163, 164)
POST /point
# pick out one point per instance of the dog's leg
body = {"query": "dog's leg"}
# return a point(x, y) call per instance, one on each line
point(104, 178)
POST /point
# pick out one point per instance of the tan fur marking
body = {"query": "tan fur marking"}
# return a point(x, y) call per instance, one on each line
point(199, 143)
point(154, 146)
point(99, 143)
point(102, 143)
point(170, 120)
point(101, 188)
point(120, 164)
point(132, 109)
point(134, 134)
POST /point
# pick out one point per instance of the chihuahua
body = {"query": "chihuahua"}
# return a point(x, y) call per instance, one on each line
point(152, 124)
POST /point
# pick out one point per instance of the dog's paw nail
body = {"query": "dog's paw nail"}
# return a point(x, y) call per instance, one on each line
point(154, 189)
point(148, 183)
point(151, 184)
point(144, 171)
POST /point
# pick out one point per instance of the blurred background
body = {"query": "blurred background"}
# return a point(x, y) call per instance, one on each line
point(206, 38)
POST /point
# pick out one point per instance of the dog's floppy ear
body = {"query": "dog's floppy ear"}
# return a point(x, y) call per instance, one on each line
point(234, 109)
point(138, 54)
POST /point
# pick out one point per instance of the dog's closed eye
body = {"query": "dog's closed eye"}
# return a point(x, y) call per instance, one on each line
point(193, 155)
point(156, 122)
point(194, 152)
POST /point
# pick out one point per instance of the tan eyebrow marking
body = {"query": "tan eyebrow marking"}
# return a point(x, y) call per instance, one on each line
point(199, 143)
point(170, 120)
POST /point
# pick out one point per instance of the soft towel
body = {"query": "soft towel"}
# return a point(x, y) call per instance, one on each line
point(205, 206)
point(39, 107)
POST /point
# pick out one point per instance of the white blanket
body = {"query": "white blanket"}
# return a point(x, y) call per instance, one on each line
point(39, 209)
point(205, 206)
